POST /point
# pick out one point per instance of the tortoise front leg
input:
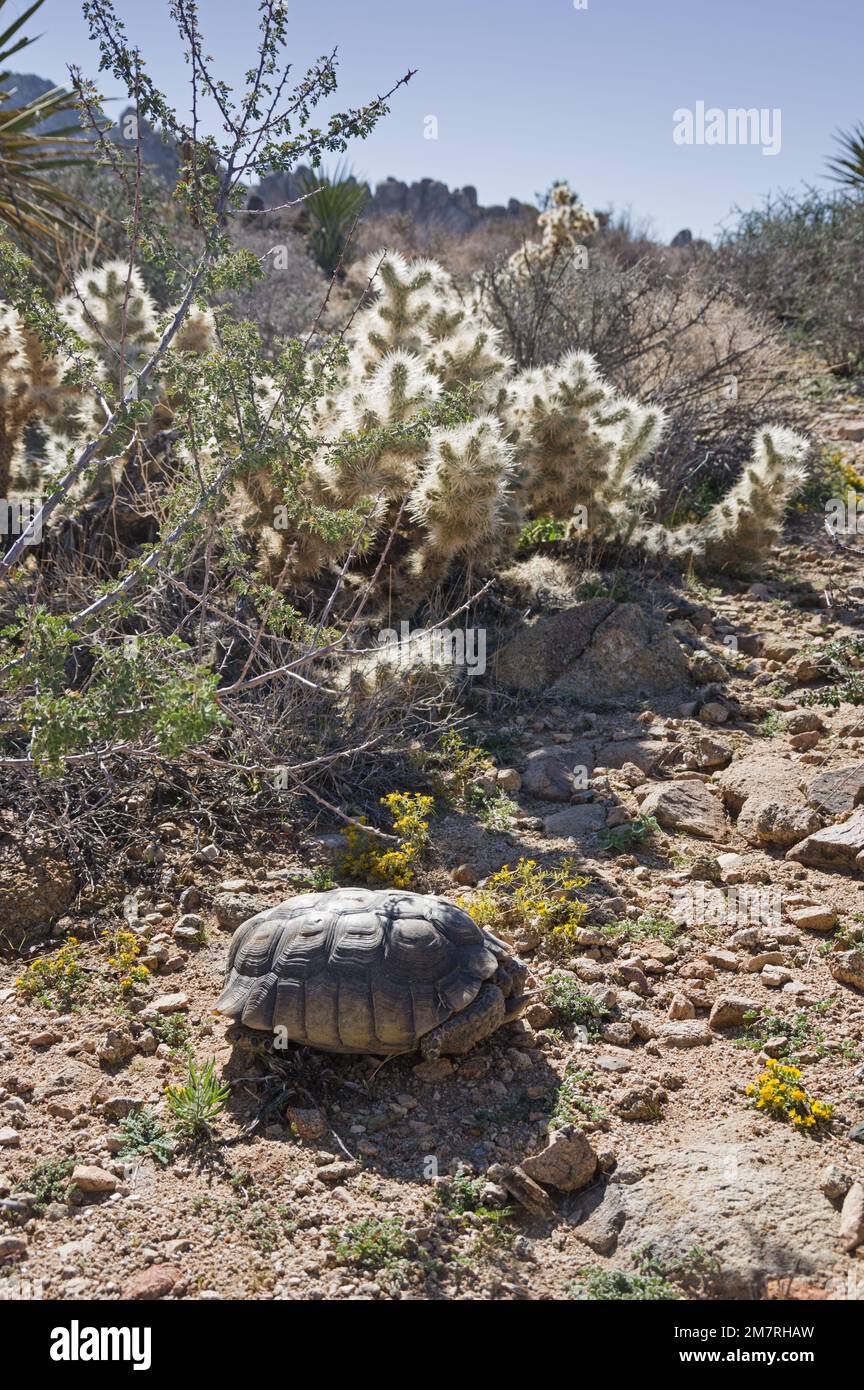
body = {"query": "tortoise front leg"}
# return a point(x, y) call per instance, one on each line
point(459, 1034)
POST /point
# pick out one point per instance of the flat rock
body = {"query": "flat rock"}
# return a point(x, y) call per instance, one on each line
point(813, 918)
point(88, 1178)
point(575, 821)
point(749, 1201)
point(152, 1283)
point(835, 793)
point(232, 909)
point(688, 1032)
point(568, 1162)
point(170, 1003)
point(836, 847)
point(688, 807)
point(599, 651)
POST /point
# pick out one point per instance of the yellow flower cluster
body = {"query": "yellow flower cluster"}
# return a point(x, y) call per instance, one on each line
point(54, 980)
point(527, 897)
point(365, 858)
point(125, 948)
point(779, 1092)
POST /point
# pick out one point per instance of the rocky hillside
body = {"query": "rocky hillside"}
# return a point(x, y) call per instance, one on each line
point(698, 753)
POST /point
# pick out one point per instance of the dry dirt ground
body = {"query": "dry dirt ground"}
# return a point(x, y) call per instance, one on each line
point(331, 1177)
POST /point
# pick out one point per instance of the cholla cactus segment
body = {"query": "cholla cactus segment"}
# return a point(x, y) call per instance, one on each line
point(461, 494)
point(113, 313)
point(564, 448)
point(564, 227)
point(376, 452)
point(408, 293)
point(749, 520)
point(197, 332)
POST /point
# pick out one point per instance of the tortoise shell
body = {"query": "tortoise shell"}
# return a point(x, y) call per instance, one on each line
point(356, 970)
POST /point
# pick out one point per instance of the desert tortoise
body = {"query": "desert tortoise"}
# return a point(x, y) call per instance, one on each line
point(354, 970)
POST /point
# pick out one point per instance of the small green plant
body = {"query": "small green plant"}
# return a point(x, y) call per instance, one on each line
point(321, 879)
point(145, 1135)
point(571, 1105)
point(571, 1003)
point(772, 725)
point(49, 1182)
point(652, 1279)
point(57, 981)
point(373, 1243)
point(843, 662)
point(198, 1102)
point(647, 926)
point(623, 838)
point(463, 1194)
point(541, 531)
point(498, 811)
point(798, 1033)
point(171, 1029)
point(621, 1286)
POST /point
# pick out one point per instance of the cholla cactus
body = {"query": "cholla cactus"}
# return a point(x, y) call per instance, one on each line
point(749, 520)
point(564, 227)
point(428, 431)
point(408, 294)
point(462, 498)
point(116, 320)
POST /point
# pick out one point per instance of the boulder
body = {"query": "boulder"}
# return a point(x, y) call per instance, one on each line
point(762, 775)
point(688, 807)
point(730, 1011)
point(835, 793)
point(836, 847)
point(848, 968)
point(599, 652)
point(37, 883)
point(568, 1162)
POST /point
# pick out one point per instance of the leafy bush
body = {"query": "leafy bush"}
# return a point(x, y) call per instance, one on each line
point(799, 257)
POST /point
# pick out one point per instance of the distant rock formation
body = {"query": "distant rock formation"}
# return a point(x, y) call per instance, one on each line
point(426, 200)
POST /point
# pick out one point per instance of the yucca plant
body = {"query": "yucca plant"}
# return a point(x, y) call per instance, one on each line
point(848, 167)
point(39, 213)
point(333, 202)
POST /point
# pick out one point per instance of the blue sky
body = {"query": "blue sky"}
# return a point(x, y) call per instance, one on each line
point(527, 91)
